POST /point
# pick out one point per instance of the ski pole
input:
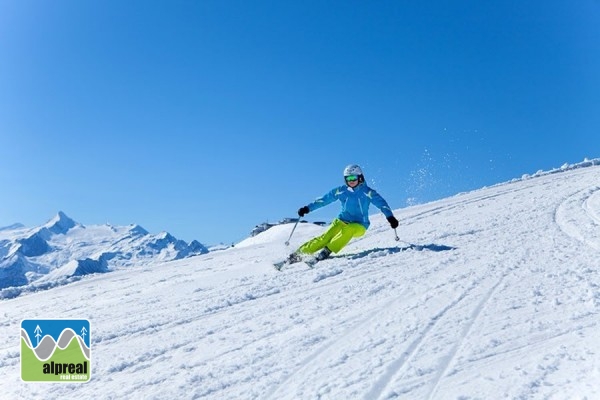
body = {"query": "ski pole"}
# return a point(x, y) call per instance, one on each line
point(287, 242)
point(396, 234)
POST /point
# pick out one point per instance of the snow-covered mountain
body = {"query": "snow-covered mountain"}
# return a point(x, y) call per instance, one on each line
point(491, 294)
point(62, 250)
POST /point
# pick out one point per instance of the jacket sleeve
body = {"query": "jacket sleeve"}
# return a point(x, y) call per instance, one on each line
point(326, 199)
point(380, 203)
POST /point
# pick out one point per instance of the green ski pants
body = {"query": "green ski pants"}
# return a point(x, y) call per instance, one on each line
point(335, 238)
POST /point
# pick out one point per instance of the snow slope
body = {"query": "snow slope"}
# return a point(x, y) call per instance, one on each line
point(500, 300)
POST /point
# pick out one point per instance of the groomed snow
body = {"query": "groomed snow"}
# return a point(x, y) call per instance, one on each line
point(500, 301)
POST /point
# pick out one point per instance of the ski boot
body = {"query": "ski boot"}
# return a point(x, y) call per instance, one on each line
point(323, 254)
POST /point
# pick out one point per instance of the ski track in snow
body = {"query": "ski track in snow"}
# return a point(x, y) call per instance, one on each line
point(501, 301)
point(442, 370)
point(578, 217)
point(310, 362)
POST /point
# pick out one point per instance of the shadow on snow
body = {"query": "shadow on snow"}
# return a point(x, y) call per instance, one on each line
point(383, 251)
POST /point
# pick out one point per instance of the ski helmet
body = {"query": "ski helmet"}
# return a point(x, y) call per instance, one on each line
point(354, 169)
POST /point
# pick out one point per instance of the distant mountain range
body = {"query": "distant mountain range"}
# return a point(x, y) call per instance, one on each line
point(63, 250)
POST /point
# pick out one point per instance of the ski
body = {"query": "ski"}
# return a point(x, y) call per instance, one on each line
point(308, 260)
point(288, 261)
point(278, 265)
point(281, 264)
point(312, 261)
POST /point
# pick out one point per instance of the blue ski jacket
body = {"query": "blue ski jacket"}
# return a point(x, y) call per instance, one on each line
point(355, 203)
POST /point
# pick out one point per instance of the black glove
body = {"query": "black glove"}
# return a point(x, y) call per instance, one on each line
point(303, 211)
point(393, 222)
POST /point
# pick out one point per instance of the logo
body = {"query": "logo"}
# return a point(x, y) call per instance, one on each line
point(55, 350)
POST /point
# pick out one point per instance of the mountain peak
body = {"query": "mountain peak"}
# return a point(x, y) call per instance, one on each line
point(137, 230)
point(61, 216)
point(12, 227)
point(60, 224)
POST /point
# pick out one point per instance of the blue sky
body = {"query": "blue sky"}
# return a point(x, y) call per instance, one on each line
point(205, 118)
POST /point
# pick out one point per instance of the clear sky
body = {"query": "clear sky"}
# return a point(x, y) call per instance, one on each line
point(205, 118)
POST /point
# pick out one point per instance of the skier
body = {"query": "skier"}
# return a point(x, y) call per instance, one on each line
point(353, 219)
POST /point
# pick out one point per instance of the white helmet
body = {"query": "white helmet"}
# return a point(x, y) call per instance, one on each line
point(354, 169)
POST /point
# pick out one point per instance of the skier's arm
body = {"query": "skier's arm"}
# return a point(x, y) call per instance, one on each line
point(380, 203)
point(326, 199)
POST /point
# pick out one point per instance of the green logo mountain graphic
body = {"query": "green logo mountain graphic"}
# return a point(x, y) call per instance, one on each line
point(62, 354)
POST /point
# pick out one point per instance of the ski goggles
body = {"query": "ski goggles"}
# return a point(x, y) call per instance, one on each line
point(351, 178)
